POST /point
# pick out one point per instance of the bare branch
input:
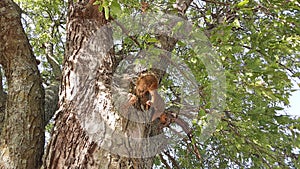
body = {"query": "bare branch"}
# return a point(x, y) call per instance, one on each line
point(173, 160)
point(54, 64)
point(164, 161)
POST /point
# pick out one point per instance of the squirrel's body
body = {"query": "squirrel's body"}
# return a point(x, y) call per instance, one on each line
point(149, 83)
point(157, 103)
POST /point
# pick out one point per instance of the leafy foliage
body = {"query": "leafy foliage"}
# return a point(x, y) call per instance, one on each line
point(44, 22)
point(258, 43)
point(259, 46)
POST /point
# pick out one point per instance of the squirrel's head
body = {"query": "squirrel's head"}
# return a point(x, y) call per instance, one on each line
point(146, 83)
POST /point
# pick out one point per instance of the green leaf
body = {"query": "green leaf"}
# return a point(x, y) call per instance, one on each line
point(106, 12)
point(105, 3)
point(296, 74)
point(152, 40)
point(278, 108)
point(100, 8)
point(243, 3)
point(115, 8)
point(236, 23)
point(97, 3)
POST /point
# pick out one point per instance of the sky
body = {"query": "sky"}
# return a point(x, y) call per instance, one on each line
point(294, 108)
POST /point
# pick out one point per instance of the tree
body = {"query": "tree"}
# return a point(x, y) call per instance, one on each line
point(257, 44)
point(25, 96)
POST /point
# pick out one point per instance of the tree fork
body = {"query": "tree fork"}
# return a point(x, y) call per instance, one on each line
point(83, 21)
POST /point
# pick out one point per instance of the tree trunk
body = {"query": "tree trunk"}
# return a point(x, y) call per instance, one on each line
point(3, 97)
point(22, 140)
point(87, 125)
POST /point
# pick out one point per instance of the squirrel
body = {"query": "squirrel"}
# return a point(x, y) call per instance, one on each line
point(149, 83)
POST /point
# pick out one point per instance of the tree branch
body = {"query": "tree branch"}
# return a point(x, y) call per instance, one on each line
point(164, 161)
point(174, 162)
point(24, 113)
point(51, 101)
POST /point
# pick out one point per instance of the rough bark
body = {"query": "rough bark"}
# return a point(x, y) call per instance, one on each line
point(86, 95)
point(51, 100)
point(23, 136)
point(3, 97)
point(86, 99)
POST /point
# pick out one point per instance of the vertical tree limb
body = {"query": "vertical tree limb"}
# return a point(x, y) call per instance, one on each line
point(25, 98)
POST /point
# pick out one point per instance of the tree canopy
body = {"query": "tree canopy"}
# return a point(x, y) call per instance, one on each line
point(257, 42)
